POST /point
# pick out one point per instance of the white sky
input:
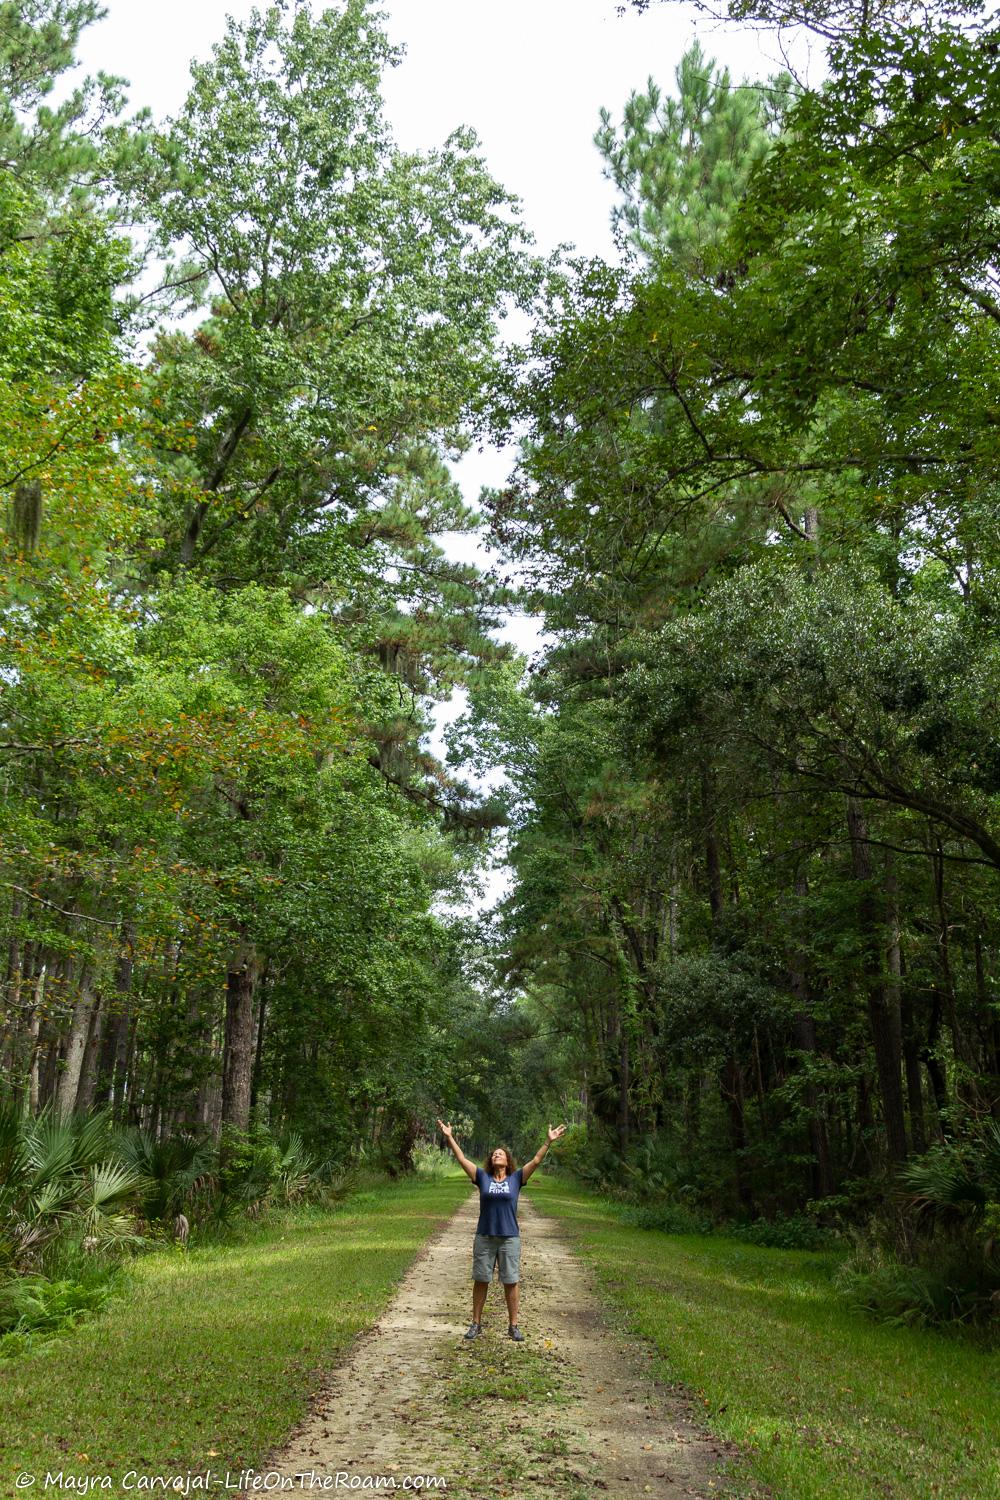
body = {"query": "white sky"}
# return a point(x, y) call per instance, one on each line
point(529, 76)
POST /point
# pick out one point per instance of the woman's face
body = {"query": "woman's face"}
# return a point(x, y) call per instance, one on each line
point(498, 1160)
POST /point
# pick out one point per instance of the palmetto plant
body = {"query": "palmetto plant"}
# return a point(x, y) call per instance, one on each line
point(957, 1181)
point(296, 1168)
point(61, 1177)
point(173, 1170)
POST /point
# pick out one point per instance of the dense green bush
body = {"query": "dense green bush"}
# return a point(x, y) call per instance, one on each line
point(71, 1286)
point(942, 1284)
point(62, 1180)
point(258, 1168)
point(932, 1256)
point(784, 1232)
point(174, 1172)
point(430, 1161)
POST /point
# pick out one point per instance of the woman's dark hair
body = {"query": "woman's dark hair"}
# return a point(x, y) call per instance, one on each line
point(511, 1163)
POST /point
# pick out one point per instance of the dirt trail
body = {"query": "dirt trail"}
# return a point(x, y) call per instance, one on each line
point(568, 1413)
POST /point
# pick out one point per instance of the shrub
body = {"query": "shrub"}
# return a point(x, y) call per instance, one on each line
point(590, 1158)
point(174, 1171)
point(430, 1161)
point(62, 1179)
point(785, 1232)
point(258, 1169)
point(34, 1308)
point(956, 1181)
point(669, 1218)
point(943, 1284)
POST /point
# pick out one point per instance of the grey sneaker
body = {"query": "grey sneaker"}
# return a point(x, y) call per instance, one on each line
point(513, 1332)
point(475, 1329)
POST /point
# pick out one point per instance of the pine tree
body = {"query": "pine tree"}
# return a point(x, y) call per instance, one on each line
point(52, 147)
point(681, 164)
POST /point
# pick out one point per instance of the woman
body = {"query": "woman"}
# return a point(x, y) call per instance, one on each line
point(498, 1239)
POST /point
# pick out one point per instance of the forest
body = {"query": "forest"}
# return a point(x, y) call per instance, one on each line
point(750, 802)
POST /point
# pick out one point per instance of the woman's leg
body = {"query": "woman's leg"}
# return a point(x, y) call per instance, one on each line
point(513, 1294)
point(479, 1290)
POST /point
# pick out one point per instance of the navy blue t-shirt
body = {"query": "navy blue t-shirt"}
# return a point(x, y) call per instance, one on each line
point(498, 1203)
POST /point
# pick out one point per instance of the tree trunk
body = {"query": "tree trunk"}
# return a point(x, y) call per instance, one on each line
point(990, 1021)
point(958, 1042)
point(692, 1112)
point(12, 1019)
point(114, 1052)
point(804, 1031)
point(259, 1026)
point(238, 1041)
point(932, 1063)
point(731, 1080)
point(882, 1016)
point(33, 1035)
point(911, 1066)
point(623, 1120)
point(88, 1073)
point(76, 1046)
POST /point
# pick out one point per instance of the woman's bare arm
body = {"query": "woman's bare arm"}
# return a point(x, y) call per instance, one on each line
point(539, 1156)
point(467, 1166)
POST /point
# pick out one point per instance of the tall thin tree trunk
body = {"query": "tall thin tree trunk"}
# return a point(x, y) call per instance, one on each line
point(34, 1050)
point(935, 1072)
point(990, 1021)
point(76, 1046)
point(238, 1042)
point(259, 1025)
point(883, 1018)
point(88, 1072)
point(804, 1031)
point(911, 1066)
point(114, 1051)
point(12, 1019)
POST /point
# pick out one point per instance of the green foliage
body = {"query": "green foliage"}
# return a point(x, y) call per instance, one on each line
point(683, 163)
point(958, 1180)
point(60, 1180)
point(787, 1232)
point(34, 1308)
point(172, 1170)
point(668, 1218)
point(258, 1169)
point(945, 1285)
point(230, 606)
point(755, 827)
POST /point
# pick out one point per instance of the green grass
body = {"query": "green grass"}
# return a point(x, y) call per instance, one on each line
point(211, 1357)
point(827, 1405)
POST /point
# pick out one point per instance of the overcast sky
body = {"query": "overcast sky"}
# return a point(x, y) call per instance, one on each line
point(529, 76)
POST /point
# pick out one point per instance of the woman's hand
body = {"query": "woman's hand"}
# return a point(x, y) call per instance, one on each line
point(554, 1134)
point(445, 1130)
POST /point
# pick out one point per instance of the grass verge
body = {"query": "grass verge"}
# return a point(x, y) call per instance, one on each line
point(826, 1405)
point(212, 1357)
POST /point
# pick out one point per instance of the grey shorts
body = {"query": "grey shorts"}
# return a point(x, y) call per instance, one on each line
point(500, 1250)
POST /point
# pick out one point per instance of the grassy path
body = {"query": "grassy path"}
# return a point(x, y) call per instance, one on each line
point(212, 1356)
point(828, 1405)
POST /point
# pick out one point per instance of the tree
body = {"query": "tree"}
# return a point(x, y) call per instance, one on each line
point(683, 163)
